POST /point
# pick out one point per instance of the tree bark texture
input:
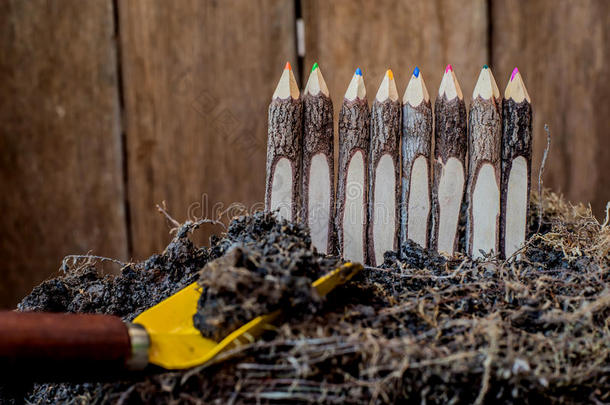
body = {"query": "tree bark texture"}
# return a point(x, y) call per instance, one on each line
point(484, 145)
point(416, 141)
point(318, 137)
point(450, 140)
point(285, 140)
point(516, 141)
point(385, 138)
point(354, 136)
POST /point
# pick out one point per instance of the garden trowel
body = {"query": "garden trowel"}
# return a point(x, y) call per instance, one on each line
point(163, 335)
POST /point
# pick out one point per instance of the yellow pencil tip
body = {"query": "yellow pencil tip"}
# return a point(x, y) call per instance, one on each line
point(390, 74)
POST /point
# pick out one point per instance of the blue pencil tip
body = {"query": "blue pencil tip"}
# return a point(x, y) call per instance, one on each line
point(359, 72)
point(416, 72)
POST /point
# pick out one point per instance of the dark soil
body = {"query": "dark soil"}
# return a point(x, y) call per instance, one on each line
point(416, 329)
point(268, 266)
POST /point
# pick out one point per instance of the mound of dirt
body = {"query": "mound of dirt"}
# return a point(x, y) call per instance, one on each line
point(419, 328)
point(270, 268)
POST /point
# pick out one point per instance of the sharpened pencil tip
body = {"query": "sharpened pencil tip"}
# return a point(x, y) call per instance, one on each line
point(515, 71)
point(315, 66)
point(287, 67)
point(485, 67)
point(390, 74)
point(358, 72)
point(449, 68)
point(416, 72)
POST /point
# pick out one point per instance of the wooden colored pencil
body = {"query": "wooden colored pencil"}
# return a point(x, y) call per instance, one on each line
point(284, 143)
point(416, 173)
point(484, 171)
point(384, 171)
point(516, 165)
point(351, 213)
point(449, 165)
point(318, 195)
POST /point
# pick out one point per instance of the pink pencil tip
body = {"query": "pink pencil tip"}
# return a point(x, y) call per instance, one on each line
point(449, 68)
point(512, 76)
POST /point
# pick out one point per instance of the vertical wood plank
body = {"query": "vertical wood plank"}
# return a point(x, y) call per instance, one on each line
point(60, 146)
point(376, 35)
point(561, 49)
point(198, 77)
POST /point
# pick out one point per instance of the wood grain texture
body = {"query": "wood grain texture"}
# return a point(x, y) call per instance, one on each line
point(60, 139)
point(198, 77)
point(376, 35)
point(561, 48)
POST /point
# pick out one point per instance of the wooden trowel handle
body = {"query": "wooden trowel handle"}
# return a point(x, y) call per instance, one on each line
point(66, 345)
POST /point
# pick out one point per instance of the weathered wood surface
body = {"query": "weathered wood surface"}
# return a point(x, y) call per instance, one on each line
point(561, 48)
point(198, 77)
point(376, 35)
point(60, 140)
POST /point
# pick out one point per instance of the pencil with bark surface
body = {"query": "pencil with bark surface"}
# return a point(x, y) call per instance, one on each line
point(483, 189)
point(384, 171)
point(449, 165)
point(318, 162)
point(516, 164)
point(354, 138)
point(416, 174)
point(284, 144)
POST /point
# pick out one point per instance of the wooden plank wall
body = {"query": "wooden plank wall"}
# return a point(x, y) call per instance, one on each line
point(110, 107)
point(198, 79)
point(563, 49)
point(60, 145)
point(342, 35)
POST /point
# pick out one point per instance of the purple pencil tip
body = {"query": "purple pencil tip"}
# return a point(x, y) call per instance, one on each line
point(515, 71)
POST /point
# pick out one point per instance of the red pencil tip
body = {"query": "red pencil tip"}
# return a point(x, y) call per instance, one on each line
point(288, 66)
point(449, 68)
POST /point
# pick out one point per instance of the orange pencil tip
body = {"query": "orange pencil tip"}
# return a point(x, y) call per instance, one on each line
point(288, 66)
point(390, 74)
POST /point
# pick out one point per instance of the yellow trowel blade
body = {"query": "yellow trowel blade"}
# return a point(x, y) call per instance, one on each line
point(176, 344)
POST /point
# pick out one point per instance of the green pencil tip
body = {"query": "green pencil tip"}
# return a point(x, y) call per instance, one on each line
point(315, 66)
point(485, 67)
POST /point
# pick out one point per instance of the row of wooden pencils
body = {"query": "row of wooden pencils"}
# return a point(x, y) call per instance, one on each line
point(400, 176)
